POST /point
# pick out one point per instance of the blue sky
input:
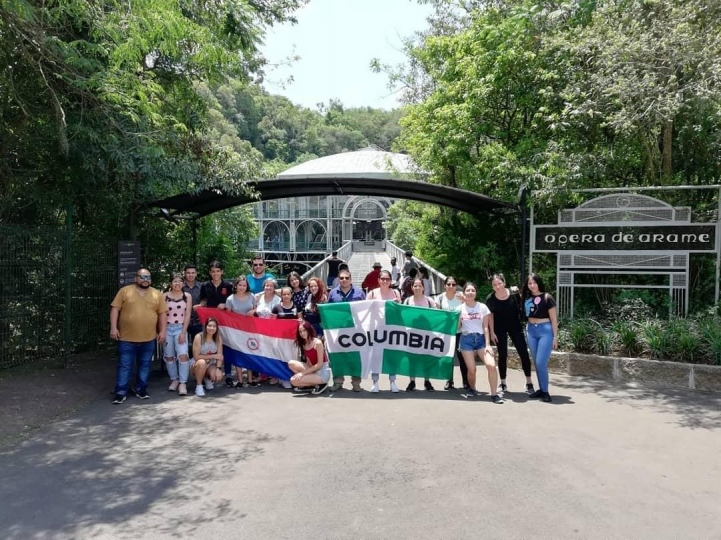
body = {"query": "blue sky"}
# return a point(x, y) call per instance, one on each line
point(336, 40)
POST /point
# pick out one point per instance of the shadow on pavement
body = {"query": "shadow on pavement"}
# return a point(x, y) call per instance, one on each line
point(694, 409)
point(111, 463)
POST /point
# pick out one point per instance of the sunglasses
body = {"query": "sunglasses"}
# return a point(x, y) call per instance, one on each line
point(344, 278)
point(143, 277)
point(384, 279)
point(260, 264)
point(451, 284)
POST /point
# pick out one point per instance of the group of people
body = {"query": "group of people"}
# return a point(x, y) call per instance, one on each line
point(140, 315)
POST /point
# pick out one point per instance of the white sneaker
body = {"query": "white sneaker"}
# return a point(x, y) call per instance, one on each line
point(209, 384)
point(374, 388)
point(199, 390)
point(394, 387)
point(286, 385)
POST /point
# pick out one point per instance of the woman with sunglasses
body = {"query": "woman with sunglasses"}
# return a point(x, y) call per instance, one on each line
point(383, 293)
point(175, 349)
point(207, 357)
point(419, 299)
point(450, 301)
point(505, 321)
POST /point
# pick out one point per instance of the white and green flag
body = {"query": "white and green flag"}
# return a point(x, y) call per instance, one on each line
point(385, 337)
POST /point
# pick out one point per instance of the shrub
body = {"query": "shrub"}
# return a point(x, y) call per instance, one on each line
point(580, 334)
point(627, 332)
point(654, 338)
point(682, 343)
point(710, 330)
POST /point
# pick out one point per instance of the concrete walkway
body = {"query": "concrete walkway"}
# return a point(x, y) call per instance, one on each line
point(362, 262)
point(596, 463)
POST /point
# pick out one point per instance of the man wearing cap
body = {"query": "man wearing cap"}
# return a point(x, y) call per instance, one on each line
point(370, 282)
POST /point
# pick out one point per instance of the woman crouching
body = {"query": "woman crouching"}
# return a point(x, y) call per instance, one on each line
point(314, 373)
point(207, 357)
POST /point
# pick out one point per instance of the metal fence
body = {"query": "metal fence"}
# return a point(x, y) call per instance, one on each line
point(55, 291)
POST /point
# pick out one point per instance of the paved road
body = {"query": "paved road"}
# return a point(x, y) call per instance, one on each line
point(597, 463)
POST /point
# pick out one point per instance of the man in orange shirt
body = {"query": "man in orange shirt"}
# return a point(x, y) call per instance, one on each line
point(138, 318)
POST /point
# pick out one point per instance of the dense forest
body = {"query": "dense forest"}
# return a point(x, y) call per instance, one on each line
point(108, 105)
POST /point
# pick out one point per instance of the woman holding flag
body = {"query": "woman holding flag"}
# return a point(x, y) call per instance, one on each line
point(474, 338)
point(242, 301)
point(419, 299)
point(314, 371)
point(384, 293)
point(316, 295)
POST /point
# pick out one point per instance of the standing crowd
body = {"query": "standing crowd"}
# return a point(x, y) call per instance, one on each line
point(141, 316)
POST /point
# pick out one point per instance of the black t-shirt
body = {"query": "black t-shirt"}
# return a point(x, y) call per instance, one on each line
point(333, 265)
point(505, 312)
point(213, 295)
point(537, 306)
point(284, 312)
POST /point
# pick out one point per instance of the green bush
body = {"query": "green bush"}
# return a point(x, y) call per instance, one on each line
point(710, 331)
point(627, 332)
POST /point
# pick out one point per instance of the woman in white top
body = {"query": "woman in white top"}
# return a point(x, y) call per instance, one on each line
point(267, 300)
point(451, 300)
point(419, 299)
point(384, 293)
point(474, 337)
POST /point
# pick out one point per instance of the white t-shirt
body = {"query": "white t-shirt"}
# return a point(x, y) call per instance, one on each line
point(454, 304)
point(472, 318)
point(264, 309)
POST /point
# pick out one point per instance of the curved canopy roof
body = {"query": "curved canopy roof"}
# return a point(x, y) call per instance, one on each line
point(369, 172)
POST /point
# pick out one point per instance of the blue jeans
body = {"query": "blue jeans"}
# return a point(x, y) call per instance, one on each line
point(130, 353)
point(540, 341)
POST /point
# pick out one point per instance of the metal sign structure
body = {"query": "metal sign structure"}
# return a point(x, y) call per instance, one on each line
point(622, 234)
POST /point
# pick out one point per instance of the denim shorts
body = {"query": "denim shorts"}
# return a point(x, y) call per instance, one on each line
point(473, 342)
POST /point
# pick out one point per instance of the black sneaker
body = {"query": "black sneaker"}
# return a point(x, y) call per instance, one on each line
point(470, 393)
point(319, 389)
point(411, 386)
point(302, 389)
point(229, 382)
point(449, 386)
point(119, 398)
point(497, 399)
point(502, 388)
point(142, 394)
point(428, 386)
point(536, 395)
point(546, 397)
point(529, 389)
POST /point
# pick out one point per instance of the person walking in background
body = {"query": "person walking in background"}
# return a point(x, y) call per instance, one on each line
point(449, 301)
point(175, 348)
point(542, 330)
point(384, 293)
point(419, 299)
point(192, 287)
point(207, 357)
point(371, 279)
point(408, 264)
point(138, 320)
point(242, 302)
point(316, 295)
point(505, 320)
point(258, 275)
point(346, 292)
point(474, 338)
point(333, 269)
point(395, 273)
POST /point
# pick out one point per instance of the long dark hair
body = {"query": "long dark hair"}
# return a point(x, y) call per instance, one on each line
point(311, 334)
point(205, 330)
point(301, 283)
point(539, 281)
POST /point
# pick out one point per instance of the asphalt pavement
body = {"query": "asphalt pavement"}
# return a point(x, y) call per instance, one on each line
point(599, 462)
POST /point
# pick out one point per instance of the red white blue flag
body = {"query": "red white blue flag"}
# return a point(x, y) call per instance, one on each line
point(261, 345)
